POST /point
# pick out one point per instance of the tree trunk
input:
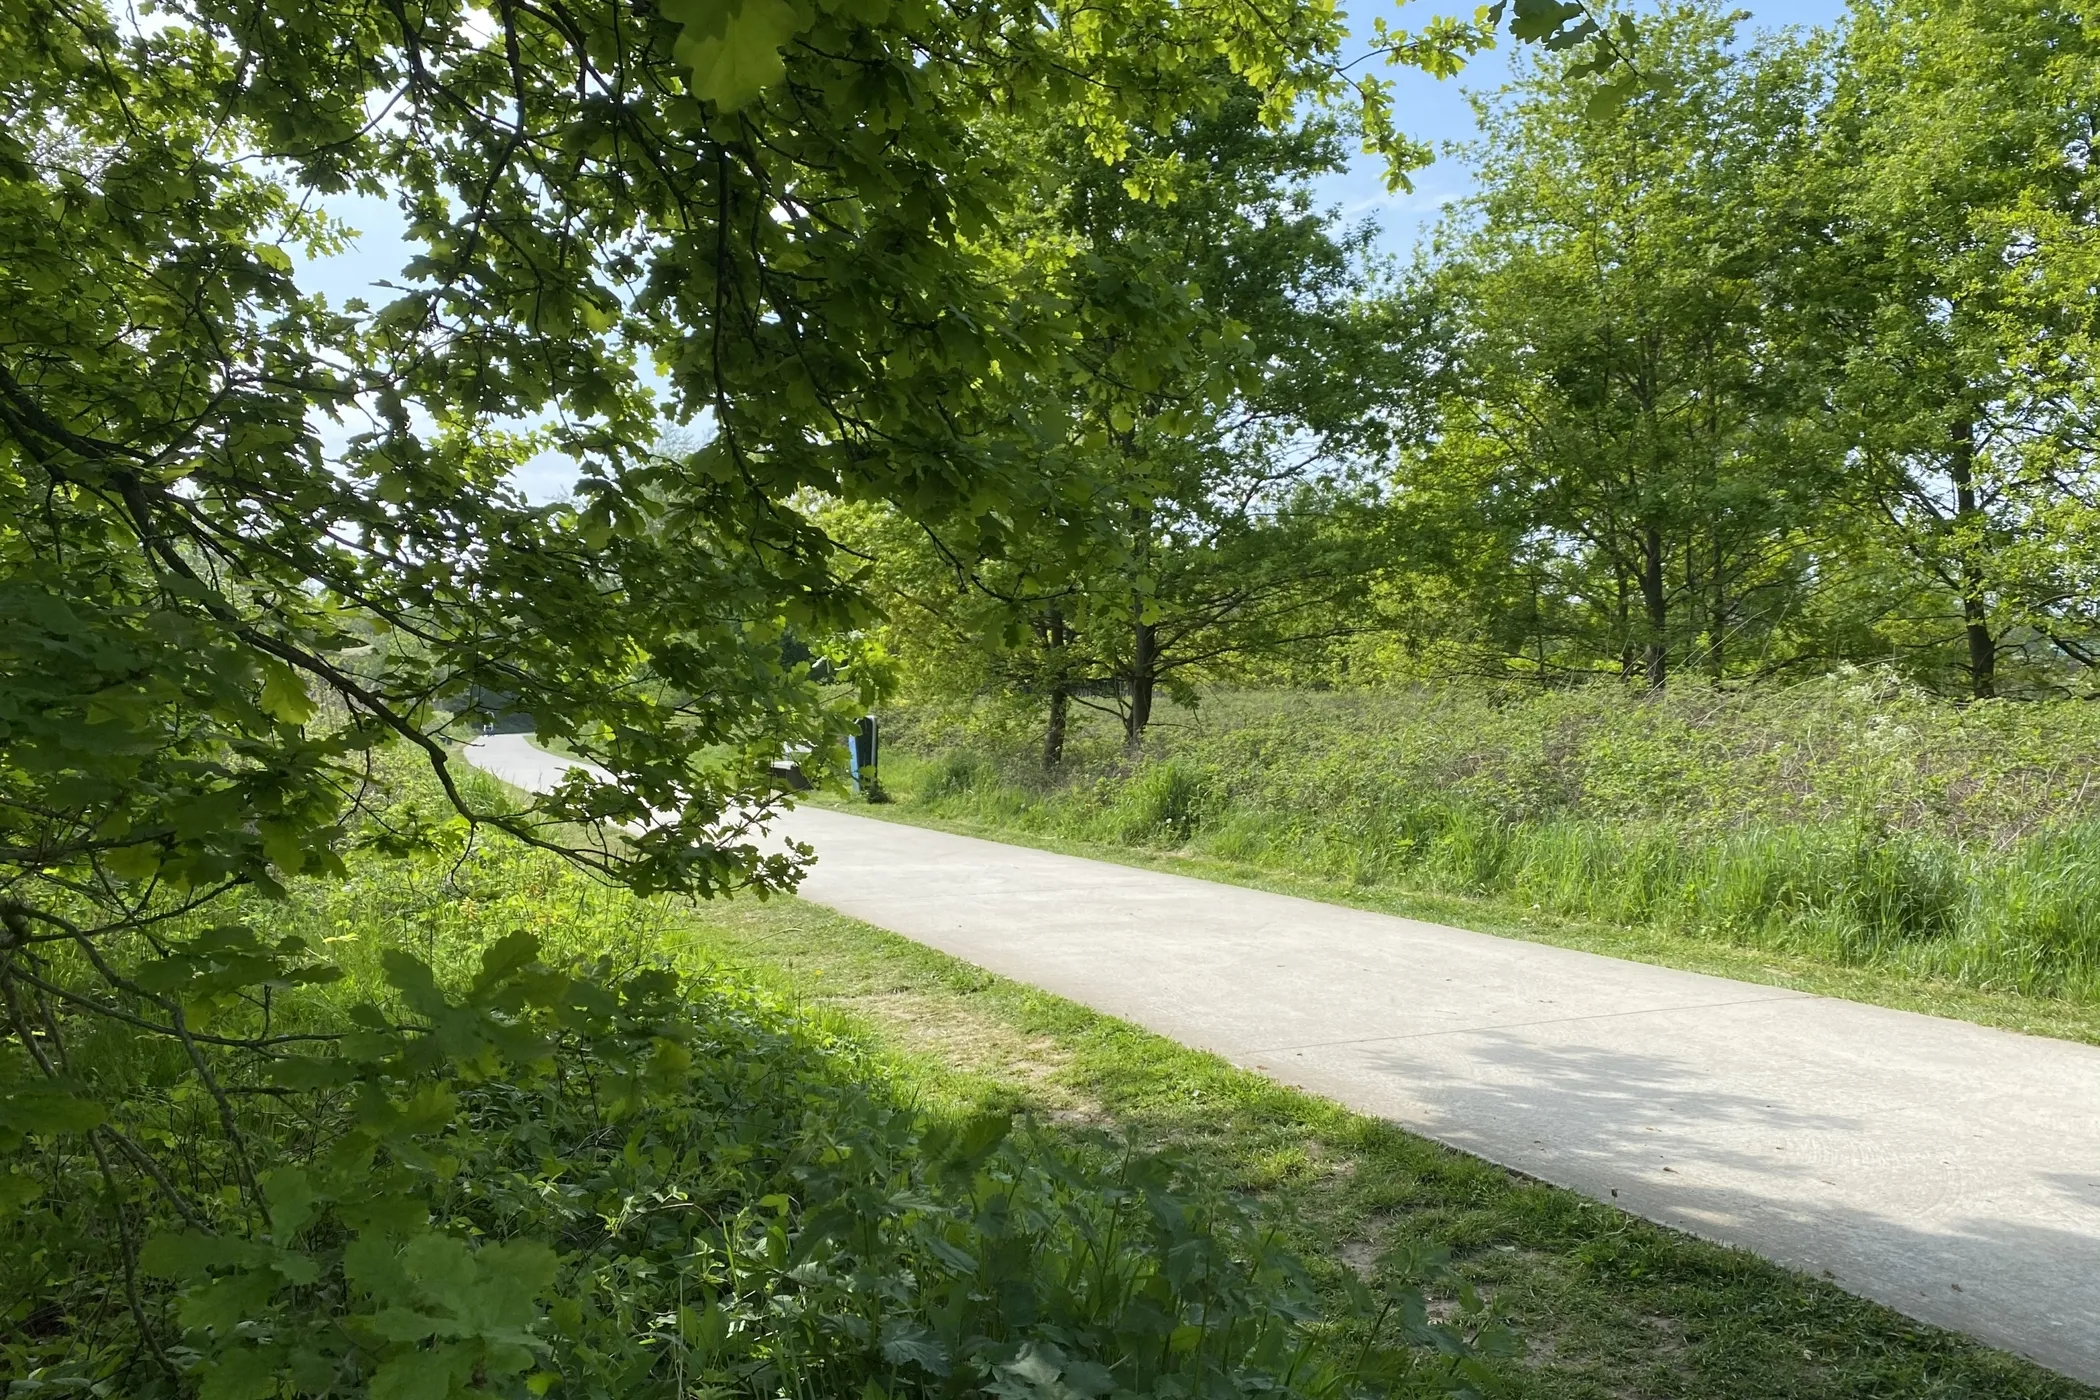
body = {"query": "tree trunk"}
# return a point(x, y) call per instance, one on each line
point(1717, 618)
point(1054, 734)
point(1655, 602)
point(1538, 627)
point(1717, 601)
point(1968, 518)
point(1144, 679)
point(1055, 638)
point(1144, 637)
point(1629, 655)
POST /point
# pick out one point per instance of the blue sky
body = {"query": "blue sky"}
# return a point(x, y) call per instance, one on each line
point(1431, 111)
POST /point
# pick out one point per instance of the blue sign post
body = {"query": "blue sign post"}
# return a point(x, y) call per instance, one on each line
point(861, 753)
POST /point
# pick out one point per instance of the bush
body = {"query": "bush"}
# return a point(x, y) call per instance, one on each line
point(1159, 803)
point(499, 1146)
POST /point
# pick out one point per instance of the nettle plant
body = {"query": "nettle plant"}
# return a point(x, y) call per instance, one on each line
point(255, 546)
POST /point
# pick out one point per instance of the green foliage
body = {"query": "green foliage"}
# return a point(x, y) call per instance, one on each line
point(1960, 170)
point(733, 49)
point(255, 546)
point(1219, 517)
point(1852, 819)
point(1158, 806)
point(481, 1169)
point(249, 536)
point(1765, 354)
point(1615, 478)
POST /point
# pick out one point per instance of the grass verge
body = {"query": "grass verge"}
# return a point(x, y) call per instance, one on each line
point(1610, 1306)
point(1830, 822)
point(1876, 984)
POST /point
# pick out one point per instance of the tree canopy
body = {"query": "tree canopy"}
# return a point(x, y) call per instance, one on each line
point(1211, 466)
point(233, 507)
point(1781, 365)
point(735, 260)
point(968, 344)
point(1754, 355)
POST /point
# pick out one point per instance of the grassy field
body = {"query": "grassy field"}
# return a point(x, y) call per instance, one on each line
point(1843, 837)
point(1606, 1305)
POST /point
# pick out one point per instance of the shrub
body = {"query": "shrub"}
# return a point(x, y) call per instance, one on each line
point(956, 771)
point(499, 1146)
point(1159, 803)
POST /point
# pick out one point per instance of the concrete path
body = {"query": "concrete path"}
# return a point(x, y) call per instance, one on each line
point(1948, 1170)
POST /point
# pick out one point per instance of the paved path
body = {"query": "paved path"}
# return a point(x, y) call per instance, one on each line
point(1945, 1169)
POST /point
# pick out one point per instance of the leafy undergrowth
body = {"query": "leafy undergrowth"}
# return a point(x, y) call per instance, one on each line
point(510, 1140)
point(1607, 1306)
point(1849, 822)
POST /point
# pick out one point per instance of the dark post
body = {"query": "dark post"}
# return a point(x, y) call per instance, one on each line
point(866, 748)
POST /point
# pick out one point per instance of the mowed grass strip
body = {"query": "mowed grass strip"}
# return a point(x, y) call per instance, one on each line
point(1608, 1305)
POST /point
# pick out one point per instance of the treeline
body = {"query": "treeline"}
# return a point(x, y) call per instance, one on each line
point(1783, 362)
point(1787, 362)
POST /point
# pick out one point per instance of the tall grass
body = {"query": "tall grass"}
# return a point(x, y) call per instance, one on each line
point(1849, 820)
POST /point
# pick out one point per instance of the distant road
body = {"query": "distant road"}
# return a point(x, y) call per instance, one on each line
point(1946, 1169)
point(518, 761)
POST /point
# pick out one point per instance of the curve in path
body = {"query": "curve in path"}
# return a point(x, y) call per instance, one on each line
point(1949, 1170)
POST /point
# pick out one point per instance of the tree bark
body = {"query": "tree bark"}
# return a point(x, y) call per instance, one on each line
point(1055, 638)
point(1144, 638)
point(1655, 602)
point(1968, 517)
point(1629, 655)
point(1717, 617)
point(1144, 680)
point(1054, 733)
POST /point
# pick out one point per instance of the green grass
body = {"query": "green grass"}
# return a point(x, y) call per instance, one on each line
point(1879, 984)
point(1610, 1306)
point(1841, 837)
